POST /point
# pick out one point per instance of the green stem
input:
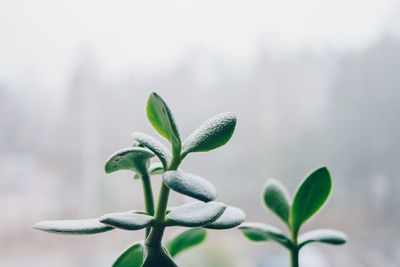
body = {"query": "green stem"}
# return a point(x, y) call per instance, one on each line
point(148, 196)
point(157, 231)
point(294, 254)
point(294, 251)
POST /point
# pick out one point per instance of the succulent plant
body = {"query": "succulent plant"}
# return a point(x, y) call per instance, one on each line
point(205, 213)
point(308, 199)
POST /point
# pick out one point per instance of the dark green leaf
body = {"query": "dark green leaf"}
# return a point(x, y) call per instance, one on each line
point(155, 146)
point(132, 158)
point(127, 220)
point(131, 257)
point(310, 196)
point(231, 217)
point(327, 236)
point(185, 239)
point(160, 116)
point(73, 227)
point(259, 232)
point(195, 214)
point(213, 133)
point(157, 257)
point(277, 199)
point(190, 185)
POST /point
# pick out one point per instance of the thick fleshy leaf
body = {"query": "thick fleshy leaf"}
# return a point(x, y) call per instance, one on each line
point(311, 195)
point(155, 146)
point(195, 214)
point(260, 232)
point(160, 116)
point(127, 220)
point(214, 133)
point(131, 257)
point(276, 198)
point(132, 158)
point(231, 218)
point(328, 236)
point(190, 185)
point(157, 257)
point(73, 227)
point(185, 239)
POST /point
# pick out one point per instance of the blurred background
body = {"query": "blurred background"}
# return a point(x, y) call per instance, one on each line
point(312, 83)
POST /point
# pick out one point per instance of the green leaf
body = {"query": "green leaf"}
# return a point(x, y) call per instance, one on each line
point(277, 199)
point(157, 257)
point(213, 133)
point(185, 239)
point(310, 197)
point(131, 257)
point(231, 218)
point(160, 116)
point(195, 214)
point(328, 236)
point(155, 146)
point(190, 185)
point(73, 227)
point(260, 232)
point(132, 158)
point(127, 220)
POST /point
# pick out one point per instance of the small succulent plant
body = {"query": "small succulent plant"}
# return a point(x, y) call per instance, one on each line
point(197, 216)
point(309, 198)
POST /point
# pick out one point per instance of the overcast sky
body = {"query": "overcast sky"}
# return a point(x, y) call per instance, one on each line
point(42, 39)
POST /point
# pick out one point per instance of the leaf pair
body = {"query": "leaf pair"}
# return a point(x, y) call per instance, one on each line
point(134, 254)
point(140, 255)
point(214, 133)
point(309, 198)
point(212, 215)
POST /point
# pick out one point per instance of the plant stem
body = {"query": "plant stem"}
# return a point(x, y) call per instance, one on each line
point(148, 196)
point(294, 255)
point(294, 251)
point(157, 231)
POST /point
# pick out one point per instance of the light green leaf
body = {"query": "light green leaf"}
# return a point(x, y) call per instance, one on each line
point(311, 195)
point(160, 116)
point(328, 236)
point(132, 158)
point(73, 227)
point(195, 214)
point(131, 257)
point(231, 218)
point(213, 133)
point(260, 232)
point(276, 198)
point(155, 146)
point(157, 257)
point(127, 220)
point(185, 239)
point(190, 185)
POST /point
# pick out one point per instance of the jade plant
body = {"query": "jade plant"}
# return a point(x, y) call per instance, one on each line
point(199, 215)
point(310, 196)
